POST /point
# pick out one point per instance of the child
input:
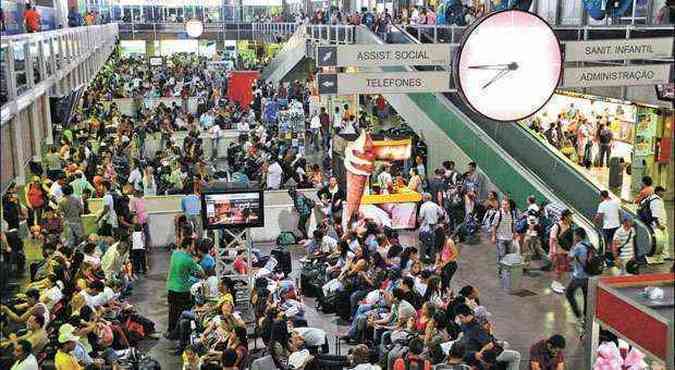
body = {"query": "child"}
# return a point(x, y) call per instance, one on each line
point(138, 249)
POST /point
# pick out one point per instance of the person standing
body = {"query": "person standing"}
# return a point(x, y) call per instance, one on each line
point(623, 244)
point(579, 277)
point(71, 209)
point(503, 231)
point(304, 207)
point(191, 207)
point(430, 215)
point(605, 138)
point(32, 19)
point(182, 267)
point(324, 118)
point(609, 215)
point(653, 213)
point(274, 175)
point(138, 257)
point(560, 240)
point(547, 354)
point(74, 18)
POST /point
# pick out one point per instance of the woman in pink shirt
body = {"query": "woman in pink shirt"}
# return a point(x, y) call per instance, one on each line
point(137, 208)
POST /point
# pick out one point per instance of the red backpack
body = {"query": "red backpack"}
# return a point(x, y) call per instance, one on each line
point(36, 196)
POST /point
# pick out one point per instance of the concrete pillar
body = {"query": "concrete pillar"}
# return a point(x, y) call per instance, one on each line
point(150, 50)
point(47, 120)
point(35, 129)
point(16, 130)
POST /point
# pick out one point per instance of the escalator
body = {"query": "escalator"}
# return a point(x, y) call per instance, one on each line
point(573, 188)
point(288, 57)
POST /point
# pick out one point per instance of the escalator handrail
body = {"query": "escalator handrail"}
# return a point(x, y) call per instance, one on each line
point(579, 217)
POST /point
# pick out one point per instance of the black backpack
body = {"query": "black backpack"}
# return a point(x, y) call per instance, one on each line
point(645, 210)
point(595, 263)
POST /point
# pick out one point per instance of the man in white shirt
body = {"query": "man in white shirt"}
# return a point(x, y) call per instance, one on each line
point(56, 190)
point(429, 216)
point(659, 225)
point(24, 358)
point(135, 176)
point(274, 174)
point(314, 127)
point(216, 134)
point(609, 213)
point(384, 177)
point(623, 243)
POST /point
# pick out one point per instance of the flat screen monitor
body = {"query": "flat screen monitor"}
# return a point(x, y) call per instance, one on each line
point(233, 208)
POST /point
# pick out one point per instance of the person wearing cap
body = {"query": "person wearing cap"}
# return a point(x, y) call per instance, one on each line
point(623, 243)
point(64, 360)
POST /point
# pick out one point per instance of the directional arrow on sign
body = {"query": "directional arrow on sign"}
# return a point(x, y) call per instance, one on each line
point(327, 84)
point(326, 56)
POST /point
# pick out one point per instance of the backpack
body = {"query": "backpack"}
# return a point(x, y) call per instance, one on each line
point(415, 363)
point(566, 239)
point(521, 225)
point(286, 238)
point(595, 263)
point(645, 210)
point(36, 196)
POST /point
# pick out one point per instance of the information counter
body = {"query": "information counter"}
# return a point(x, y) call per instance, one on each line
point(618, 304)
point(162, 212)
point(398, 211)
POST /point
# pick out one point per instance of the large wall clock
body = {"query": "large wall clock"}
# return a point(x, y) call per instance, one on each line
point(508, 65)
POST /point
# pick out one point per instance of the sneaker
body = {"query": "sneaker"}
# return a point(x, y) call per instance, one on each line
point(557, 287)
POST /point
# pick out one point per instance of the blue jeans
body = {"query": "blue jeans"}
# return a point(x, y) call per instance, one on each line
point(362, 313)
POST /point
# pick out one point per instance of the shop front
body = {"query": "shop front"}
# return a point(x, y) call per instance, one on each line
point(613, 142)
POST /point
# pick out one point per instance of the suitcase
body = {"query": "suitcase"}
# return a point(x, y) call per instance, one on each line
point(284, 259)
point(343, 306)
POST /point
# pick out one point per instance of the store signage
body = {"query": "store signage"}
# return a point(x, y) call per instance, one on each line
point(585, 51)
point(647, 74)
point(383, 55)
point(384, 83)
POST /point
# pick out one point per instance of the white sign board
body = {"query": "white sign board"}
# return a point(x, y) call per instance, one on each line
point(584, 51)
point(648, 74)
point(384, 83)
point(383, 55)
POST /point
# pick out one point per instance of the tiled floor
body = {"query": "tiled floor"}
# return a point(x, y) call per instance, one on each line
point(520, 321)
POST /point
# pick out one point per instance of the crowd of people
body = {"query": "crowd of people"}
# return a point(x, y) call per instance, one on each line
point(396, 289)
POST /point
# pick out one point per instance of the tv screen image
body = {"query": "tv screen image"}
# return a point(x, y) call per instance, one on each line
point(233, 209)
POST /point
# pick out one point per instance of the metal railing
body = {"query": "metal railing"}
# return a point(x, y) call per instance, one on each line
point(35, 63)
point(453, 33)
point(338, 34)
point(226, 31)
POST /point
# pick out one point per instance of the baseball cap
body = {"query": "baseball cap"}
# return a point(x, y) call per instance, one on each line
point(66, 334)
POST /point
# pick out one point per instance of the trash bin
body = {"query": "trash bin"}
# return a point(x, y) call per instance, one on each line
point(511, 272)
point(615, 173)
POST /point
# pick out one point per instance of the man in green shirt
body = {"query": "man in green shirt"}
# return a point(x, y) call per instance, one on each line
point(80, 184)
point(53, 163)
point(182, 267)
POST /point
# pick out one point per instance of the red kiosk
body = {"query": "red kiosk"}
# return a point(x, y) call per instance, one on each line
point(617, 303)
point(240, 86)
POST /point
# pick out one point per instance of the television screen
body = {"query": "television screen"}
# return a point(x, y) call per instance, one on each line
point(156, 61)
point(233, 208)
point(666, 92)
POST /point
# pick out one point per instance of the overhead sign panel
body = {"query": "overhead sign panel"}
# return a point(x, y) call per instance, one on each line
point(383, 55)
point(384, 83)
point(648, 74)
point(586, 51)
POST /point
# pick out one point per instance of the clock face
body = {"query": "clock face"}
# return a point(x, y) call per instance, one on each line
point(509, 65)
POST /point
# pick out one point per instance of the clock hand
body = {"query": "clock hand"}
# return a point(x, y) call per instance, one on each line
point(496, 77)
point(509, 66)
